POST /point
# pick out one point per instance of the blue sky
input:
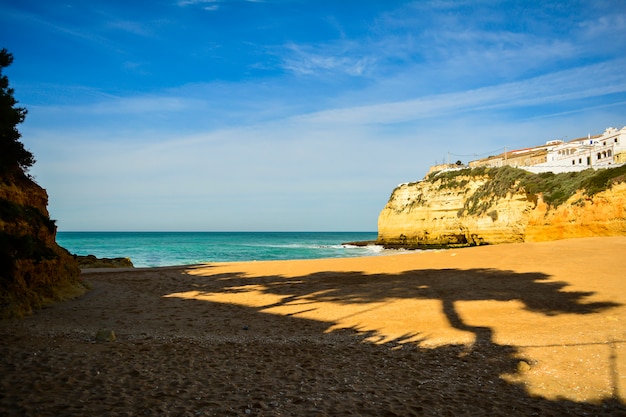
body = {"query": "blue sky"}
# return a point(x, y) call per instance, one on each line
point(214, 115)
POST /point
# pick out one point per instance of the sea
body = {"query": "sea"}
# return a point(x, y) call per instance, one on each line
point(153, 249)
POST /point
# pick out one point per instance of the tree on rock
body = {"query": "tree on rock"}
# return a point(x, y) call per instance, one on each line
point(34, 269)
point(13, 156)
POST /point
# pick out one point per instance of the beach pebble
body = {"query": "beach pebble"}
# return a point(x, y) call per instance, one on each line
point(523, 366)
point(105, 335)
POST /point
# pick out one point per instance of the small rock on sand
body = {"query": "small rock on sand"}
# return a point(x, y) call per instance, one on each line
point(105, 335)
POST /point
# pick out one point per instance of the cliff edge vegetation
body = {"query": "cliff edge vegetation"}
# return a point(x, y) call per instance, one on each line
point(477, 206)
point(34, 269)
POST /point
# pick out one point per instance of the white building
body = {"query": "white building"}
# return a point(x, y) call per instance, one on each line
point(605, 151)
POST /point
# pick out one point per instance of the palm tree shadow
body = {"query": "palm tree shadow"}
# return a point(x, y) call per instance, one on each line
point(534, 290)
point(485, 361)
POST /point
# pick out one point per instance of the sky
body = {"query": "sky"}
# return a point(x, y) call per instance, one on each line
point(293, 115)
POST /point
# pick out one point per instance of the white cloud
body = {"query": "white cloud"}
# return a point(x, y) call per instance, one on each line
point(307, 59)
point(195, 2)
point(579, 83)
point(129, 106)
point(131, 27)
point(212, 5)
point(145, 105)
point(608, 25)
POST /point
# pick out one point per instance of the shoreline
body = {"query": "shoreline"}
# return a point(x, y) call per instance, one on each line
point(531, 328)
point(416, 246)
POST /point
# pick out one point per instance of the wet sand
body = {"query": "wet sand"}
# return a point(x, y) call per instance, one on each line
point(521, 329)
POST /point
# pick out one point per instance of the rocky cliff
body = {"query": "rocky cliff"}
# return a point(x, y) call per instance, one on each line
point(34, 269)
point(503, 205)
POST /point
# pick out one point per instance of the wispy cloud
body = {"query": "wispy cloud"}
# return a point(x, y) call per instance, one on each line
point(575, 84)
point(196, 2)
point(604, 25)
point(307, 59)
point(130, 26)
point(130, 106)
point(403, 42)
point(213, 5)
point(83, 34)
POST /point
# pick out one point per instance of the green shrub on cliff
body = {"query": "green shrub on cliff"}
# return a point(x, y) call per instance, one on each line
point(554, 188)
point(558, 188)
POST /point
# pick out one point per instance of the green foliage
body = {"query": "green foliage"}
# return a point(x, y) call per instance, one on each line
point(13, 155)
point(554, 188)
point(449, 179)
point(502, 181)
point(448, 176)
point(603, 179)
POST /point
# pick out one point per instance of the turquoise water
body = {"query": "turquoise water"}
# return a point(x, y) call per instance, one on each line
point(149, 249)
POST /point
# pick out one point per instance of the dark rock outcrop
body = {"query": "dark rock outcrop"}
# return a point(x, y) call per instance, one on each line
point(90, 261)
point(34, 269)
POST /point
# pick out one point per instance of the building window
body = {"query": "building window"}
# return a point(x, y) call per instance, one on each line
point(573, 162)
point(599, 155)
point(609, 153)
point(580, 160)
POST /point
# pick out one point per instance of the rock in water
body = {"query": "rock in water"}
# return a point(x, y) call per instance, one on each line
point(90, 261)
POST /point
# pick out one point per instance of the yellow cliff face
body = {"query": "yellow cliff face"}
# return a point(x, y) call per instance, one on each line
point(434, 213)
point(580, 216)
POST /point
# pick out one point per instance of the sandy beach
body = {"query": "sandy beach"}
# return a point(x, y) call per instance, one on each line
point(520, 329)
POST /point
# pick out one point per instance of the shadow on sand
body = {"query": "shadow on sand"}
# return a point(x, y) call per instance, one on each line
point(473, 374)
point(178, 353)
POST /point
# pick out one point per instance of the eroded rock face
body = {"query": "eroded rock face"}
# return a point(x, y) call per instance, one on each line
point(34, 269)
point(433, 213)
point(601, 215)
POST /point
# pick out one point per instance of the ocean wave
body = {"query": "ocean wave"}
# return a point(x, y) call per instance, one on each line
point(183, 248)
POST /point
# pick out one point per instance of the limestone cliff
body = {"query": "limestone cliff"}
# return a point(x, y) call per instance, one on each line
point(505, 205)
point(34, 269)
point(582, 216)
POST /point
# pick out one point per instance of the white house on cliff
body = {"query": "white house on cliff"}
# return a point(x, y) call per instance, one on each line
point(607, 150)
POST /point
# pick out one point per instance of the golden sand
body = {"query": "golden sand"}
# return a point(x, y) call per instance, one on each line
point(520, 329)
